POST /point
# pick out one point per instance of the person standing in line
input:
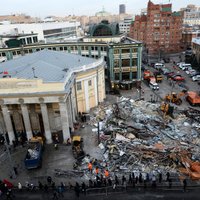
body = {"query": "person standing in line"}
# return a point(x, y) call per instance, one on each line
point(19, 186)
point(184, 185)
point(55, 195)
point(160, 177)
point(77, 189)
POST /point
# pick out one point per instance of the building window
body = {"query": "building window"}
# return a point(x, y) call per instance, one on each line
point(125, 50)
point(90, 82)
point(29, 40)
point(35, 39)
point(79, 85)
point(116, 51)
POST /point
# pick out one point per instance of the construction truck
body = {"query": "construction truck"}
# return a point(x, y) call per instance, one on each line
point(174, 98)
point(158, 77)
point(33, 157)
point(167, 109)
point(193, 98)
point(77, 147)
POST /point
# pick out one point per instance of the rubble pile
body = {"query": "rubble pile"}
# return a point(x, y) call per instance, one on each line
point(135, 136)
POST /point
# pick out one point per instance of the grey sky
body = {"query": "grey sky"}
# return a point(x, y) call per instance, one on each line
point(42, 8)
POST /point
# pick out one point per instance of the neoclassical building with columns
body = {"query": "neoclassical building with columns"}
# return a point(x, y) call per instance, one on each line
point(42, 93)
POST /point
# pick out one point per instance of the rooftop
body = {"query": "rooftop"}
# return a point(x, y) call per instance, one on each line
point(50, 66)
point(196, 40)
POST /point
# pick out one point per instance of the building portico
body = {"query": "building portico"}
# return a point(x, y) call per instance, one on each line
point(47, 105)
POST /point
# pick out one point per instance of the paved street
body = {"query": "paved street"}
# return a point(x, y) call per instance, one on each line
point(130, 194)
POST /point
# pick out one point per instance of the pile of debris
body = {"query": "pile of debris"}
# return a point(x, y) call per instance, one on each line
point(135, 136)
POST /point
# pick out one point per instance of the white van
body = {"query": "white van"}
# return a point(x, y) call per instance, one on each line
point(185, 66)
point(159, 65)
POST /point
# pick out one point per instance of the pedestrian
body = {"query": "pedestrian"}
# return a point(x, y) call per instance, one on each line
point(77, 189)
point(106, 173)
point(70, 185)
point(40, 185)
point(46, 188)
point(19, 186)
point(184, 185)
point(140, 177)
point(62, 185)
point(168, 175)
point(154, 181)
point(136, 180)
point(90, 167)
point(53, 185)
point(55, 195)
point(90, 183)
point(8, 195)
point(83, 187)
point(60, 191)
point(15, 170)
point(170, 183)
point(130, 180)
point(116, 180)
point(123, 179)
point(114, 186)
point(97, 170)
point(147, 177)
point(49, 180)
point(109, 182)
point(160, 177)
point(27, 185)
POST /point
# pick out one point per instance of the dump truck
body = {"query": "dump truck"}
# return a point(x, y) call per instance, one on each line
point(33, 157)
point(193, 98)
point(77, 147)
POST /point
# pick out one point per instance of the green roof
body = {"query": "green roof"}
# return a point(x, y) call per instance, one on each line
point(166, 9)
point(176, 14)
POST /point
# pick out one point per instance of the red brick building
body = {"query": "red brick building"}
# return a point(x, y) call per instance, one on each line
point(160, 29)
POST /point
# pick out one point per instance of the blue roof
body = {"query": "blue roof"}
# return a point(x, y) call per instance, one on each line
point(51, 66)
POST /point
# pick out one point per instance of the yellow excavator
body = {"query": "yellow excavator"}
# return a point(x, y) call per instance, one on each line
point(174, 98)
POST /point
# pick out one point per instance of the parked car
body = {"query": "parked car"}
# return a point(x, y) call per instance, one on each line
point(196, 78)
point(184, 66)
point(154, 86)
point(179, 64)
point(197, 73)
point(159, 66)
point(170, 74)
point(177, 78)
point(164, 70)
point(190, 71)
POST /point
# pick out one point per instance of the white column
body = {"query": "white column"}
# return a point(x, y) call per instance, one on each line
point(72, 107)
point(64, 121)
point(95, 90)
point(69, 112)
point(7, 120)
point(27, 123)
point(45, 118)
point(87, 105)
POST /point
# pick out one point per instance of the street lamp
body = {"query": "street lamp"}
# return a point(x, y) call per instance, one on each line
point(12, 168)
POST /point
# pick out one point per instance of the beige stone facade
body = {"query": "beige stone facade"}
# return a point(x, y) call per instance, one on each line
point(31, 107)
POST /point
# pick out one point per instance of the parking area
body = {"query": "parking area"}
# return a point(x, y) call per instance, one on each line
point(168, 85)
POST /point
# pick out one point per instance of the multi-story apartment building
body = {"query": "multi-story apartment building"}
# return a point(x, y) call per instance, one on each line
point(196, 49)
point(191, 15)
point(188, 34)
point(124, 26)
point(160, 29)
